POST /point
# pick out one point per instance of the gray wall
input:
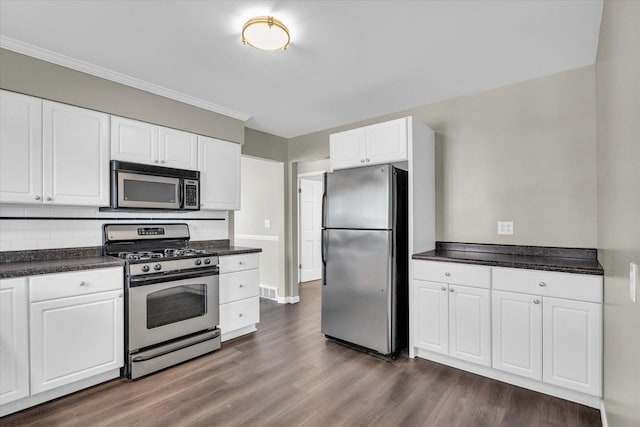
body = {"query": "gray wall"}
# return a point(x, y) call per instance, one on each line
point(21, 73)
point(264, 145)
point(524, 152)
point(618, 124)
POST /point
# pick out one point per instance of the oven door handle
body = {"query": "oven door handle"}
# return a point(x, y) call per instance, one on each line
point(150, 280)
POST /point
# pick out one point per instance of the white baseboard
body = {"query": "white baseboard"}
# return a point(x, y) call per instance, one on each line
point(603, 415)
point(288, 300)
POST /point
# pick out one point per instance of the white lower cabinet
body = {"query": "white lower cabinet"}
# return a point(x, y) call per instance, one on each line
point(517, 333)
point(449, 318)
point(239, 294)
point(60, 333)
point(536, 329)
point(572, 345)
point(14, 340)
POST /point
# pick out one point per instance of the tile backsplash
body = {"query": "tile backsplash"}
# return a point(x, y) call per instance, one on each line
point(82, 226)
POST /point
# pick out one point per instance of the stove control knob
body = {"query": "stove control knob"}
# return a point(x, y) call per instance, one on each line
point(198, 261)
point(145, 268)
point(157, 267)
point(207, 261)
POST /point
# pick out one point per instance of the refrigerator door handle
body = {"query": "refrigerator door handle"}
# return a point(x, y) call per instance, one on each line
point(323, 217)
point(322, 243)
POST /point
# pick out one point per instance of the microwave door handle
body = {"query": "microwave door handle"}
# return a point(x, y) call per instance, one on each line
point(181, 186)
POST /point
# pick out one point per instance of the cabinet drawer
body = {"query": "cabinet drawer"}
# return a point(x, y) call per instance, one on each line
point(581, 287)
point(447, 272)
point(229, 263)
point(236, 315)
point(239, 285)
point(61, 285)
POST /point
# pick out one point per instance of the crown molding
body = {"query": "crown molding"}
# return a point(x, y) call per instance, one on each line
point(95, 70)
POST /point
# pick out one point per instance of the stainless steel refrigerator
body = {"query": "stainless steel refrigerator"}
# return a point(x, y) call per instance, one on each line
point(365, 259)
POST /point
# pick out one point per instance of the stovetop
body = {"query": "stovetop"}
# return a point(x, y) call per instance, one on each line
point(160, 254)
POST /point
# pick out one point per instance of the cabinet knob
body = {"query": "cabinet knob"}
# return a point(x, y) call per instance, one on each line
point(542, 284)
point(447, 274)
point(536, 301)
point(240, 263)
point(240, 315)
point(241, 285)
point(119, 295)
point(37, 197)
point(450, 289)
point(83, 283)
point(49, 199)
point(162, 162)
point(361, 160)
point(155, 161)
point(444, 288)
point(367, 160)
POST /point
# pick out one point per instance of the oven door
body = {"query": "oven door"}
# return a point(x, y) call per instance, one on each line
point(137, 190)
point(163, 311)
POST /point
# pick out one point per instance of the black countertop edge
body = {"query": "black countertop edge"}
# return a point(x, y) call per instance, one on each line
point(209, 244)
point(50, 266)
point(511, 260)
point(538, 251)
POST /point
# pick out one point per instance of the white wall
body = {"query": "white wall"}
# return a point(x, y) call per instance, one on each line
point(29, 233)
point(262, 192)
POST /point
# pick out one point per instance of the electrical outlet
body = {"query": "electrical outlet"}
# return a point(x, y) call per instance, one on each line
point(633, 280)
point(267, 223)
point(505, 227)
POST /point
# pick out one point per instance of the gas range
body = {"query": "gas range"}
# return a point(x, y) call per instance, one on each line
point(171, 295)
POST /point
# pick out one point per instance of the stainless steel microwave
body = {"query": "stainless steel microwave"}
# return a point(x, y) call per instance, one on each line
point(138, 186)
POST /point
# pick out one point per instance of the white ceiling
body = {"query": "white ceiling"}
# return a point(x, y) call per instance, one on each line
point(348, 60)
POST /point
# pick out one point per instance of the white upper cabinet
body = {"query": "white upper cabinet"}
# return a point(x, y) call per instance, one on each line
point(178, 149)
point(75, 155)
point(380, 143)
point(140, 142)
point(219, 166)
point(20, 148)
point(134, 141)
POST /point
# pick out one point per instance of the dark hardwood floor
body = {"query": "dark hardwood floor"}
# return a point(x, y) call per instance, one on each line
point(288, 374)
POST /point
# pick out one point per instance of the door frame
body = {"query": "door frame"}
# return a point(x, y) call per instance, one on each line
point(299, 210)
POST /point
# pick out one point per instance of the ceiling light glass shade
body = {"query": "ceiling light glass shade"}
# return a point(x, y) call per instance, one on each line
point(265, 32)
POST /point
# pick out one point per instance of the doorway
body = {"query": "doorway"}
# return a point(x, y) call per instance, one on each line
point(310, 189)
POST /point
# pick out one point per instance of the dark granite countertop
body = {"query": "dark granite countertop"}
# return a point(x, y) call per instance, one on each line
point(32, 268)
point(47, 261)
point(565, 260)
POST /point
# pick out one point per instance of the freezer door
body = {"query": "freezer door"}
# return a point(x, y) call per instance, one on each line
point(358, 198)
point(357, 292)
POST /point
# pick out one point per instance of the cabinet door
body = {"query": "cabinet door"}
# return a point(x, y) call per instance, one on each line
point(14, 341)
point(178, 149)
point(347, 149)
point(134, 141)
point(75, 155)
point(517, 333)
point(20, 148)
point(470, 324)
point(431, 318)
point(572, 345)
point(75, 338)
point(219, 165)
point(387, 142)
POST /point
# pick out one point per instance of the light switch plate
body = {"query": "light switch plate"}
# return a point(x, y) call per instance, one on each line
point(267, 223)
point(505, 227)
point(633, 280)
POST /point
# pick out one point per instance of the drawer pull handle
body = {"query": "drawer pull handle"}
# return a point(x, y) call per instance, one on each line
point(536, 301)
point(240, 263)
point(443, 288)
point(83, 283)
point(542, 284)
point(447, 274)
point(450, 289)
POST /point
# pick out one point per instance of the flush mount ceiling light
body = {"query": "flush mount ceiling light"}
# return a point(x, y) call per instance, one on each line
point(266, 33)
